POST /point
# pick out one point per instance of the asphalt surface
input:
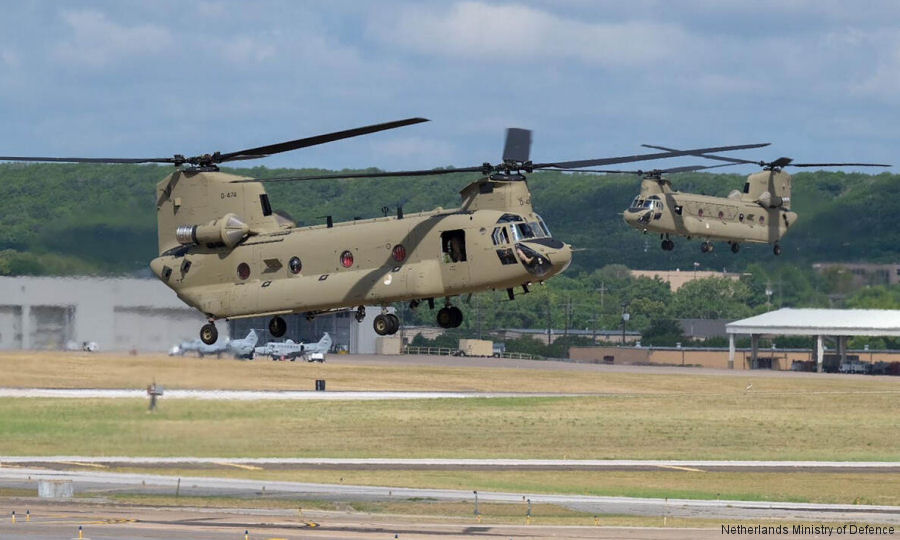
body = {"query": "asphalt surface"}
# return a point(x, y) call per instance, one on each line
point(98, 482)
point(161, 463)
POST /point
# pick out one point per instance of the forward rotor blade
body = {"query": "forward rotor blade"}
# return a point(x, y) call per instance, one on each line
point(270, 149)
point(386, 174)
point(642, 157)
point(673, 170)
point(701, 154)
point(518, 145)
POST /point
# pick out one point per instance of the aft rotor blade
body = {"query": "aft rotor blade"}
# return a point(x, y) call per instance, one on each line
point(642, 157)
point(270, 149)
point(90, 160)
point(839, 165)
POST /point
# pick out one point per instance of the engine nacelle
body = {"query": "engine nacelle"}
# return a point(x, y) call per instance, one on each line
point(228, 230)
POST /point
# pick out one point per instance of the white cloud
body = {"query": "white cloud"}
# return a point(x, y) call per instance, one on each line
point(521, 34)
point(97, 41)
point(9, 58)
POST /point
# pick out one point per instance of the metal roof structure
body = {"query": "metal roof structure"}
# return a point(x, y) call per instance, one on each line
point(816, 322)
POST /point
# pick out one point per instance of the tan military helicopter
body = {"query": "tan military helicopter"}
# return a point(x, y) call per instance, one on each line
point(224, 251)
point(760, 213)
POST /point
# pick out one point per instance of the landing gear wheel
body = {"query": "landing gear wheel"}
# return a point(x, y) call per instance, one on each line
point(706, 247)
point(735, 247)
point(209, 334)
point(395, 323)
point(445, 317)
point(456, 317)
point(382, 325)
point(360, 313)
point(277, 326)
point(776, 249)
point(668, 245)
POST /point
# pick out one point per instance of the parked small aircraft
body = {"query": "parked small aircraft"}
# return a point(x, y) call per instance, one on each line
point(240, 348)
point(289, 350)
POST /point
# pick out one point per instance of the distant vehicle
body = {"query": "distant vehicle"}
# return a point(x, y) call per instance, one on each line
point(288, 350)
point(85, 346)
point(854, 366)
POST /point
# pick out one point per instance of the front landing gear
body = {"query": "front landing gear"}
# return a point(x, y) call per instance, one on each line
point(449, 317)
point(208, 333)
point(386, 324)
point(277, 326)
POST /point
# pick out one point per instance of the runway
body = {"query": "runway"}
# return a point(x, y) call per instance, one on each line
point(257, 395)
point(99, 482)
point(81, 462)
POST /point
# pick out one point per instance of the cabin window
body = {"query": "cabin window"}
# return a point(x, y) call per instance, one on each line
point(741, 217)
point(700, 212)
point(264, 203)
point(453, 246)
point(399, 253)
point(500, 236)
point(678, 209)
point(243, 270)
point(347, 259)
point(762, 219)
point(295, 265)
point(721, 214)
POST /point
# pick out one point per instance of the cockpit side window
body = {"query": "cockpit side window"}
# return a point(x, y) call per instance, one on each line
point(637, 202)
point(544, 227)
point(500, 236)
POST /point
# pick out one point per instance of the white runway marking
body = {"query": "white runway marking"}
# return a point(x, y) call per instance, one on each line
point(255, 395)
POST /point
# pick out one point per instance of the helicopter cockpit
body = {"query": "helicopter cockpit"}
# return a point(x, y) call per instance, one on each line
point(650, 203)
point(513, 229)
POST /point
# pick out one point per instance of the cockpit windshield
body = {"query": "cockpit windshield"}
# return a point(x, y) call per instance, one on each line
point(519, 229)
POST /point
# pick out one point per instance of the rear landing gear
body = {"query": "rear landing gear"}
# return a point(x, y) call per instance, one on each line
point(386, 324)
point(449, 317)
point(668, 245)
point(208, 333)
point(277, 326)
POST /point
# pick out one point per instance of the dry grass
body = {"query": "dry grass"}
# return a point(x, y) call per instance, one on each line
point(719, 426)
point(27, 369)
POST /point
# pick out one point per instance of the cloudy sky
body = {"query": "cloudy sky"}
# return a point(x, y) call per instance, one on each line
point(820, 79)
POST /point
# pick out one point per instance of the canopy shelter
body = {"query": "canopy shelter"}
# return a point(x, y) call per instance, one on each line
point(837, 323)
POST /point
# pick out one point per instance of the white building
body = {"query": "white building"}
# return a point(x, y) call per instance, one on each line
point(124, 314)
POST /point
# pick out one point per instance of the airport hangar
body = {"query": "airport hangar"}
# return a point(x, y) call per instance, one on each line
point(143, 315)
point(839, 324)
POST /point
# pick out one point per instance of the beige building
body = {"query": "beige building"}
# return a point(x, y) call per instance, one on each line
point(677, 278)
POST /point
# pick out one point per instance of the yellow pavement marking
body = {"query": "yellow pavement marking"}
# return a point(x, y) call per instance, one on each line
point(239, 465)
point(83, 464)
point(689, 469)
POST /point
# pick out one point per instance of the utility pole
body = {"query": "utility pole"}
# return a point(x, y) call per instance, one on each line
point(568, 311)
point(549, 323)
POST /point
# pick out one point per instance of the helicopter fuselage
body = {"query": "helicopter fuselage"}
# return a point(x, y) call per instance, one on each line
point(288, 269)
point(734, 219)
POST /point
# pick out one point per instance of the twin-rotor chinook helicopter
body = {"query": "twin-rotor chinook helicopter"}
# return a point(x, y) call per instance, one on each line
point(224, 251)
point(760, 213)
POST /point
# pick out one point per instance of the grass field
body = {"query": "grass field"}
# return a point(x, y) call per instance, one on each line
point(799, 426)
point(689, 415)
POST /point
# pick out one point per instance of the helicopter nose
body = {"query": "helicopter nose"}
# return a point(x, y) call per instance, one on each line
point(562, 258)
